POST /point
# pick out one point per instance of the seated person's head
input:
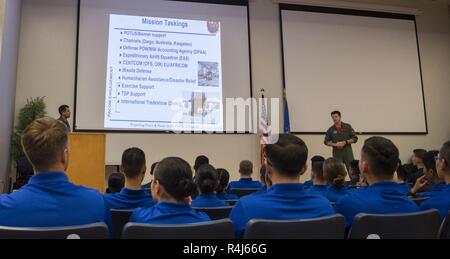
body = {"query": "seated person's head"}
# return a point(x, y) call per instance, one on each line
point(402, 173)
point(224, 178)
point(334, 172)
point(152, 168)
point(317, 173)
point(443, 162)
point(199, 161)
point(45, 143)
point(286, 159)
point(246, 169)
point(418, 156)
point(207, 179)
point(263, 177)
point(354, 172)
point(379, 160)
point(430, 166)
point(315, 159)
point(133, 164)
point(116, 181)
point(173, 181)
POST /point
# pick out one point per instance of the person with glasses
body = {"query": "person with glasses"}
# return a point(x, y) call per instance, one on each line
point(441, 201)
point(430, 183)
point(285, 162)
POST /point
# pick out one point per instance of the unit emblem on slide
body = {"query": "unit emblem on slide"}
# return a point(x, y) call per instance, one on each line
point(213, 27)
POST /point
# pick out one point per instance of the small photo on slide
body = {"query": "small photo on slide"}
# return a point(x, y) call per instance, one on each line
point(208, 74)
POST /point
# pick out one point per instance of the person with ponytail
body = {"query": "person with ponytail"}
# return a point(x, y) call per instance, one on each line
point(207, 182)
point(335, 173)
point(224, 179)
point(379, 160)
point(171, 189)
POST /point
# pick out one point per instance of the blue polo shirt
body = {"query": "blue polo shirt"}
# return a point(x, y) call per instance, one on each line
point(227, 196)
point(333, 194)
point(128, 199)
point(404, 187)
point(282, 201)
point(440, 201)
point(207, 200)
point(433, 190)
point(245, 183)
point(317, 189)
point(50, 200)
point(379, 198)
point(168, 213)
point(263, 190)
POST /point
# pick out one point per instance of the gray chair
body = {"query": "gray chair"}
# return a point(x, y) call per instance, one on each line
point(219, 229)
point(330, 227)
point(418, 225)
point(216, 213)
point(119, 219)
point(90, 231)
point(419, 200)
point(242, 192)
point(444, 231)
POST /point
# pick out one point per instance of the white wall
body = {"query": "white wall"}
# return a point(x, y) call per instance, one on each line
point(9, 38)
point(47, 65)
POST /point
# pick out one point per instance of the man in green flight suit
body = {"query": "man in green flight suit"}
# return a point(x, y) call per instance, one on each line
point(341, 136)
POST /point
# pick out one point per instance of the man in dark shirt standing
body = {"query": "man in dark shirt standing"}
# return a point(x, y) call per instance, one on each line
point(64, 113)
point(341, 136)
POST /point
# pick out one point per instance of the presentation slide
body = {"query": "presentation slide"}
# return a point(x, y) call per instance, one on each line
point(163, 74)
point(160, 66)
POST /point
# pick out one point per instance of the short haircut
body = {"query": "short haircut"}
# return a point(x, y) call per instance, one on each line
point(354, 166)
point(152, 168)
point(116, 181)
point(382, 156)
point(288, 155)
point(402, 173)
point(336, 112)
point(420, 153)
point(175, 175)
point(246, 167)
point(317, 159)
point(133, 160)
point(62, 108)
point(334, 172)
point(224, 178)
point(200, 160)
point(430, 162)
point(43, 141)
point(445, 153)
point(317, 170)
point(207, 179)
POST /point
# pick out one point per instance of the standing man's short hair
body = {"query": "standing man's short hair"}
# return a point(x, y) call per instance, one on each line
point(133, 161)
point(246, 167)
point(336, 112)
point(43, 141)
point(62, 108)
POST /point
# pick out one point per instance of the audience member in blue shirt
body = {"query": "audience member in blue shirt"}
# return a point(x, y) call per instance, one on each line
point(224, 178)
point(354, 174)
point(320, 184)
point(265, 182)
point(441, 200)
point(148, 185)
point(246, 181)
point(49, 199)
point(429, 184)
point(379, 160)
point(418, 165)
point(116, 182)
point(334, 172)
point(132, 196)
point(207, 182)
point(402, 177)
point(286, 198)
point(171, 189)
